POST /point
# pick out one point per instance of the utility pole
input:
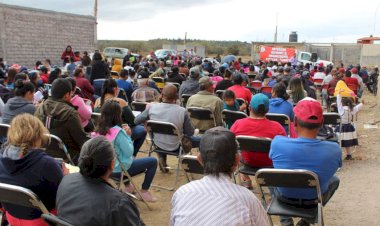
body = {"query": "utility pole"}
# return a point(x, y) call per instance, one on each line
point(275, 34)
point(96, 22)
point(184, 41)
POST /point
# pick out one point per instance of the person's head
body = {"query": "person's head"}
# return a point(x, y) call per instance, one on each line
point(321, 69)
point(227, 74)
point(308, 116)
point(169, 93)
point(97, 158)
point(43, 69)
point(85, 53)
point(68, 49)
point(73, 84)
point(47, 62)
point(109, 87)
point(61, 89)
point(341, 71)
point(279, 91)
point(110, 116)
point(354, 70)
point(229, 98)
point(124, 74)
point(24, 89)
point(38, 63)
point(27, 132)
point(259, 105)
point(78, 72)
point(237, 79)
point(21, 76)
point(54, 75)
point(194, 73)
point(205, 84)
point(97, 57)
point(296, 88)
point(143, 78)
point(11, 75)
point(175, 70)
point(348, 101)
point(347, 74)
point(218, 152)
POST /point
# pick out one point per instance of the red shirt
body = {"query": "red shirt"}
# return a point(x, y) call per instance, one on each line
point(241, 92)
point(352, 83)
point(45, 78)
point(257, 128)
point(86, 87)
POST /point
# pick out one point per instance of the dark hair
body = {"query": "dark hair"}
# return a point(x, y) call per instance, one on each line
point(218, 149)
point(21, 76)
point(95, 157)
point(260, 111)
point(237, 79)
point(123, 73)
point(60, 88)
point(38, 63)
point(228, 94)
point(72, 82)
point(227, 73)
point(348, 101)
point(110, 116)
point(348, 73)
point(175, 70)
point(108, 86)
point(297, 89)
point(307, 125)
point(22, 87)
point(11, 75)
point(54, 75)
point(280, 91)
point(71, 48)
point(96, 57)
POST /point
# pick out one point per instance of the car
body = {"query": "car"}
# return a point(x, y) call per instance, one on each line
point(163, 53)
point(115, 52)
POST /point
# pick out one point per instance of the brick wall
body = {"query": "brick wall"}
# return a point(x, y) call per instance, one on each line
point(28, 35)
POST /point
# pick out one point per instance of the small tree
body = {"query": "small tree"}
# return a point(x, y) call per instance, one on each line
point(233, 50)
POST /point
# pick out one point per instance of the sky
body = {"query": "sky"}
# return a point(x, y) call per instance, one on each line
point(321, 21)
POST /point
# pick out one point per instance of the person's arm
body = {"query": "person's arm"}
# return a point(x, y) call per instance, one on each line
point(127, 116)
point(143, 117)
point(84, 110)
point(125, 144)
point(52, 176)
point(357, 108)
point(188, 128)
point(63, 56)
point(339, 104)
point(89, 87)
point(76, 130)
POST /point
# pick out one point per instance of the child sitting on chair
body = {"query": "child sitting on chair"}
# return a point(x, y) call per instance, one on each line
point(230, 102)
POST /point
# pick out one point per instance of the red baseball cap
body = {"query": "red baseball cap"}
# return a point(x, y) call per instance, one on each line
point(309, 110)
point(342, 70)
point(354, 70)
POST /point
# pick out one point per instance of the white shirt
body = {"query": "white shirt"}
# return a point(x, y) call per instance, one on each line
point(319, 75)
point(327, 79)
point(216, 201)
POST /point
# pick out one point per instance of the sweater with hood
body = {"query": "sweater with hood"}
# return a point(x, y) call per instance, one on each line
point(16, 106)
point(281, 106)
point(62, 119)
point(36, 171)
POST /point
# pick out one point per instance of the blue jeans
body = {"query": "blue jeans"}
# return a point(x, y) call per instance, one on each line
point(141, 165)
point(138, 137)
point(326, 196)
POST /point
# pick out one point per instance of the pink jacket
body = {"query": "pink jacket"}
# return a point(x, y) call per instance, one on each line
point(84, 110)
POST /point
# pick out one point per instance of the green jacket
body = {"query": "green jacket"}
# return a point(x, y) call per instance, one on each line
point(62, 119)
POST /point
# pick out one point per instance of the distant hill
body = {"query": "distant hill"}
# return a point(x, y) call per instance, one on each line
point(212, 47)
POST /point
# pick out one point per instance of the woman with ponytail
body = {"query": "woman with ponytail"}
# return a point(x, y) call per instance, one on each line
point(110, 91)
point(24, 163)
point(88, 197)
point(21, 103)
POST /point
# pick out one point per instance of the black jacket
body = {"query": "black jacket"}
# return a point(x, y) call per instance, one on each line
point(36, 171)
point(90, 202)
point(99, 70)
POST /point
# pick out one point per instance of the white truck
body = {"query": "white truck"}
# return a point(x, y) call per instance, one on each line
point(311, 58)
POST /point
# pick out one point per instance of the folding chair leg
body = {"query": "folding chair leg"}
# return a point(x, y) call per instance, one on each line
point(138, 192)
point(175, 182)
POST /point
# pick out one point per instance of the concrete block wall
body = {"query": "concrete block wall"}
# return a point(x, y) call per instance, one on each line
point(28, 35)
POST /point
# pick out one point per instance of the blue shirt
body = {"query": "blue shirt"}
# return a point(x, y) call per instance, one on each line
point(281, 106)
point(320, 157)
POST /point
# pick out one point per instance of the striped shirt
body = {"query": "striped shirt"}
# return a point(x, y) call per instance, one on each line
point(216, 201)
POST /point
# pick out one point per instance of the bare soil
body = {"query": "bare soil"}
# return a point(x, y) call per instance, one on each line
point(355, 203)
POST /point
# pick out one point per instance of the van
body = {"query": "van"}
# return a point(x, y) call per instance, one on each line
point(115, 52)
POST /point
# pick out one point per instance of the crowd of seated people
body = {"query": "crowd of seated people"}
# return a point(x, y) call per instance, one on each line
point(62, 101)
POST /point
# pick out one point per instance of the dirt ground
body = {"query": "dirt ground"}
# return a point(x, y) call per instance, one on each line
point(355, 203)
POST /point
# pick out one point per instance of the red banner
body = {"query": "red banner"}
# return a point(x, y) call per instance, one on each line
point(279, 54)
